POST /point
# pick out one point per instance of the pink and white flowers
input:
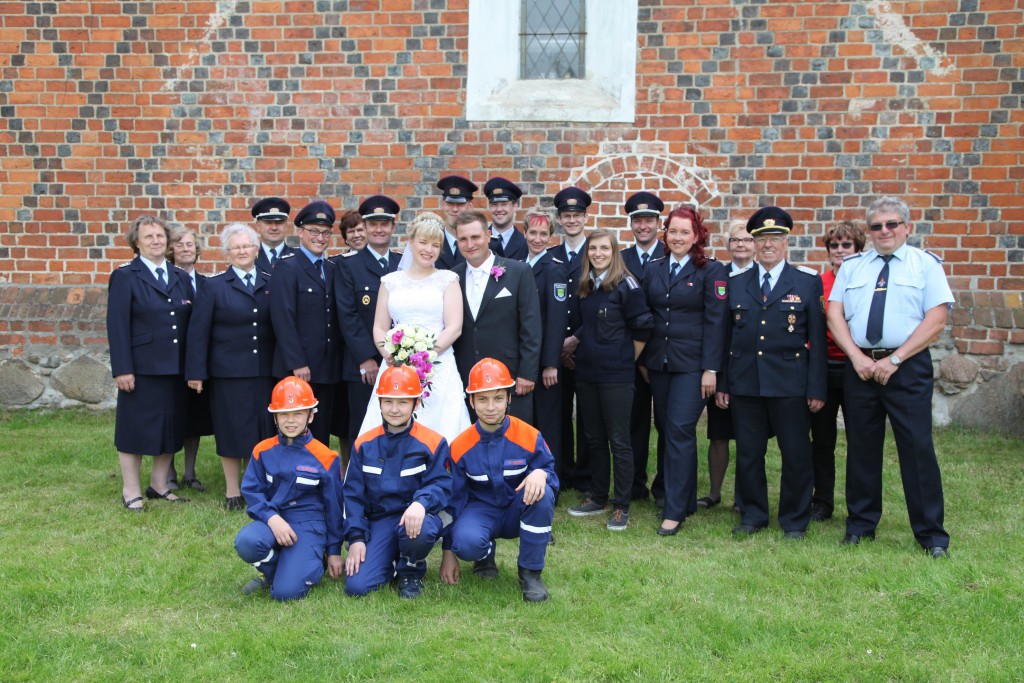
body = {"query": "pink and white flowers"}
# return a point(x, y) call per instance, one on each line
point(412, 345)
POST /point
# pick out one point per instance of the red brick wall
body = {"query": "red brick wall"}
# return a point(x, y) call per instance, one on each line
point(193, 109)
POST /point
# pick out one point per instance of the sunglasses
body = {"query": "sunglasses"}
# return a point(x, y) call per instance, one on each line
point(844, 245)
point(888, 225)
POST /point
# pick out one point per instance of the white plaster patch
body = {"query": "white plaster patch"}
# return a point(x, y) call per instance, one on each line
point(225, 9)
point(896, 31)
point(859, 104)
point(681, 169)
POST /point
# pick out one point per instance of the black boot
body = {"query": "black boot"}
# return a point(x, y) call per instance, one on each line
point(486, 568)
point(533, 586)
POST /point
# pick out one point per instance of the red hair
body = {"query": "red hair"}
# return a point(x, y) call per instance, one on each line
point(700, 233)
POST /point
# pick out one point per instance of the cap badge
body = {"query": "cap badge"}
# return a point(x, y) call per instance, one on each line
point(454, 191)
point(291, 398)
point(768, 223)
point(487, 379)
point(378, 209)
point(641, 206)
point(274, 209)
point(394, 386)
point(497, 190)
point(322, 216)
point(571, 202)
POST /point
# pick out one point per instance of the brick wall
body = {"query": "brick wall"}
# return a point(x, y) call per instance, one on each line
point(193, 109)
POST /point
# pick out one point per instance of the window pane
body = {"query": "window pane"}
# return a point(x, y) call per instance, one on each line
point(552, 39)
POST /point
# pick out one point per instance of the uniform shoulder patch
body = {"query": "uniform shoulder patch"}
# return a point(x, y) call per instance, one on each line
point(657, 260)
point(463, 442)
point(555, 259)
point(282, 258)
point(734, 273)
point(125, 264)
point(808, 271)
point(631, 283)
point(265, 273)
point(264, 446)
point(426, 435)
point(933, 255)
point(852, 256)
point(349, 254)
point(322, 453)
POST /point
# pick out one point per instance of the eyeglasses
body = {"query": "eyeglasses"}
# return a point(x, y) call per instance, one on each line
point(318, 233)
point(844, 245)
point(772, 239)
point(243, 247)
point(888, 225)
point(741, 240)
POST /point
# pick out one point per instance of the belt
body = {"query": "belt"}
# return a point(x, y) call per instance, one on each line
point(878, 354)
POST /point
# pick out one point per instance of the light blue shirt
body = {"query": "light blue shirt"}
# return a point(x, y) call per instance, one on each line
point(241, 274)
point(651, 255)
point(682, 262)
point(532, 260)
point(916, 285)
point(271, 251)
point(153, 266)
point(773, 274)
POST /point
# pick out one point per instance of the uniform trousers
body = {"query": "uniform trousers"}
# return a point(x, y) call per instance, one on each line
point(640, 440)
point(606, 414)
point(475, 529)
point(390, 551)
point(823, 439)
point(290, 571)
point(358, 399)
point(547, 418)
point(678, 406)
point(321, 427)
point(575, 458)
point(907, 401)
point(753, 420)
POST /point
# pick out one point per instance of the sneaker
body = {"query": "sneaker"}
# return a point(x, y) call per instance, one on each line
point(618, 520)
point(409, 587)
point(253, 586)
point(587, 508)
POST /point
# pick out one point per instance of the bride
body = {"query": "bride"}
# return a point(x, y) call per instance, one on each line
point(419, 294)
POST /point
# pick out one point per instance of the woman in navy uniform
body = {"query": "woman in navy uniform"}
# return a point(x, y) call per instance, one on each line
point(149, 303)
point(553, 291)
point(184, 251)
point(231, 352)
point(615, 324)
point(687, 295)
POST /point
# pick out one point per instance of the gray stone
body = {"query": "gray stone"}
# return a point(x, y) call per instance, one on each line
point(996, 405)
point(19, 385)
point(84, 379)
point(958, 369)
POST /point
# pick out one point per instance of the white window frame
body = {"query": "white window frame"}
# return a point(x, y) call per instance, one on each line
point(494, 91)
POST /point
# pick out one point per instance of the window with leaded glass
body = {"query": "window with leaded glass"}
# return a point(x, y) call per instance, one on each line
point(552, 39)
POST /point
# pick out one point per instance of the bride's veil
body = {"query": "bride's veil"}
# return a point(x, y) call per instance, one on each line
point(424, 219)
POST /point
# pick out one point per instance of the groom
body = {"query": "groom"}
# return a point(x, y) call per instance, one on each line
point(501, 312)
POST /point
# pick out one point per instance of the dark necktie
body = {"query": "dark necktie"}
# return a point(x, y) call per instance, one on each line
point(248, 282)
point(644, 258)
point(675, 271)
point(273, 257)
point(160, 279)
point(383, 263)
point(877, 312)
point(571, 255)
point(319, 263)
point(766, 286)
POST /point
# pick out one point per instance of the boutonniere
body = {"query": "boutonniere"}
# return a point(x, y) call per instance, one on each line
point(497, 272)
point(186, 302)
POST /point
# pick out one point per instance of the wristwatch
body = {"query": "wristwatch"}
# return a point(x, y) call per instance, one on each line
point(895, 360)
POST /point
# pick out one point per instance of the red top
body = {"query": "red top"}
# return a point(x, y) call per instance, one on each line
point(828, 278)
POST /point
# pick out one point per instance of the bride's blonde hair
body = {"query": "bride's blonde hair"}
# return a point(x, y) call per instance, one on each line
point(428, 226)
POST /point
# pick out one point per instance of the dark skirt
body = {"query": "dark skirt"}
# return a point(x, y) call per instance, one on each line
point(200, 421)
point(240, 417)
point(339, 414)
point(719, 423)
point(151, 420)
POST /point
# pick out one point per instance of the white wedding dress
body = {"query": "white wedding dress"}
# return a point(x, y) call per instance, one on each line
point(421, 302)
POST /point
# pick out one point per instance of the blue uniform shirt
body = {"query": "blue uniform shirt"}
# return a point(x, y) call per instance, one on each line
point(388, 472)
point(301, 482)
point(916, 284)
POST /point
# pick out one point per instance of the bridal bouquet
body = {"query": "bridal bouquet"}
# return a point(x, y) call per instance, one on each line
point(414, 346)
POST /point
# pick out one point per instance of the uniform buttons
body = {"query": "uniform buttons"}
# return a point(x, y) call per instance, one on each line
point(797, 354)
point(310, 290)
point(254, 350)
point(254, 337)
point(175, 341)
point(762, 337)
point(763, 322)
point(760, 353)
point(172, 312)
point(255, 311)
point(328, 340)
point(168, 301)
point(174, 327)
point(254, 324)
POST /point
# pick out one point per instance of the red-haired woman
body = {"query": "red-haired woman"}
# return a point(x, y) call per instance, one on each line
point(687, 294)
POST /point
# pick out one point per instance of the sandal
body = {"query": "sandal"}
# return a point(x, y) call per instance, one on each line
point(166, 495)
point(193, 484)
point(708, 502)
point(128, 504)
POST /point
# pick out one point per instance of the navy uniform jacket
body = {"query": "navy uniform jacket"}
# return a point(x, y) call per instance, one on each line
point(553, 293)
point(573, 271)
point(388, 472)
point(507, 326)
point(230, 333)
point(690, 323)
point(263, 263)
point(768, 344)
point(304, 320)
point(634, 265)
point(517, 249)
point(356, 295)
point(449, 257)
point(611, 321)
point(146, 326)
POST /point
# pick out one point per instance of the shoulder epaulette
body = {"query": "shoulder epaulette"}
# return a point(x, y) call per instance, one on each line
point(631, 282)
point(808, 271)
point(282, 258)
point(265, 273)
point(125, 264)
point(557, 260)
point(712, 258)
point(853, 256)
point(734, 273)
point(348, 254)
point(933, 255)
point(657, 260)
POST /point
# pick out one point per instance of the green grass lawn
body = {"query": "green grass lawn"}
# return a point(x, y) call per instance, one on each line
point(90, 592)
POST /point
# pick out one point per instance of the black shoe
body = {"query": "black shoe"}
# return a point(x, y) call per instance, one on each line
point(819, 513)
point(193, 484)
point(128, 504)
point(795, 535)
point(253, 586)
point(662, 531)
point(151, 494)
point(551, 538)
point(708, 502)
point(409, 587)
point(486, 568)
point(855, 539)
point(745, 529)
point(533, 586)
point(937, 552)
point(234, 503)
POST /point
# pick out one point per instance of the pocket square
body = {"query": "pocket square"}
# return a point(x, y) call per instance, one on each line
point(503, 293)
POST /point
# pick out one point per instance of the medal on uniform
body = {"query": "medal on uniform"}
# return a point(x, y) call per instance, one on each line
point(366, 299)
point(791, 320)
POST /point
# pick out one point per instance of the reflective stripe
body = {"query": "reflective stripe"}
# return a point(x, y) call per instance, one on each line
point(477, 477)
point(270, 479)
point(413, 470)
point(446, 519)
point(372, 470)
point(512, 473)
point(308, 482)
point(265, 559)
point(534, 529)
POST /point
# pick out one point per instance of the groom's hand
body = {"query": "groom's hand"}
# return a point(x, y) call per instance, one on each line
point(368, 371)
point(524, 386)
